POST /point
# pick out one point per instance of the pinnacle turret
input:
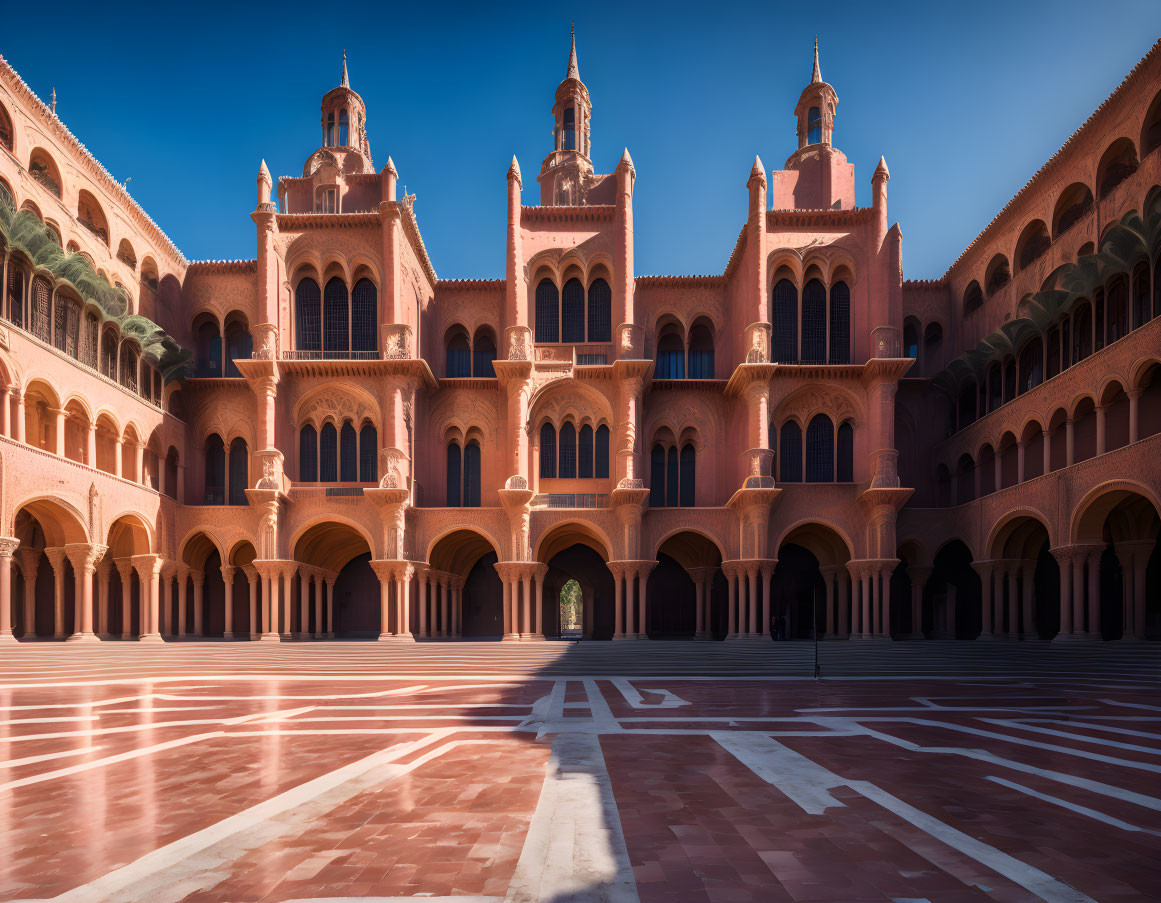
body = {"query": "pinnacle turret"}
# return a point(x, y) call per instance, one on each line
point(816, 76)
point(346, 82)
point(573, 68)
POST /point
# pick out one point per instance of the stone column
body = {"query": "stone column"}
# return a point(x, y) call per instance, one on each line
point(918, 577)
point(630, 603)
point(384, 572)
point(1134, 412)
point(1078, 559)
point(644, 569)
point(1064, 562)
point(984, 569)
point(507, 603)
point(1046, 452)
point(331, 606)
point(6, 413)
point(618, 601)
point(844, 602)
point(56, 558)
point(139, 463)
point(84, 559)
point(1020, 461)
point(1028, 587)
point(1069, 443)
point(752, 574)
point(856, 604)
point(1101, 443)
point(91, 445)
point(29, 565)
point(104, 570)
point(125, 571)
point(541, 571)
point(443, 632)
point(867, 600)
point(526, 627)
point(422, 601)
point(698, 576)
point(303, 604)
point(148, 569)
point(1094, 592)
point(732, 610)
point(228, 587)
point(199, 582)
point(319, 626)
point(182, 615)
point(58, 430)
point(8, 546)
point(767, 570)
point(403, 601)
point(252, 599)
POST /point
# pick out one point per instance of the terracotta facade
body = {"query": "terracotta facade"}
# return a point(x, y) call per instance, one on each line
point(330, 440)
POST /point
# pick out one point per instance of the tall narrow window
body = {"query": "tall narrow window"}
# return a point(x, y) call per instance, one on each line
point(336, 317)
point(820, 450)
point(568, 451)
point(813, 126)
point(40, 302)
point(208, 348)
point(1118, 313)
point(15, 294)
point(348, 454)
point(840, 323)
point(344, 123)
point(670, 356)
point(688, 477)
point(330, 136)
point(657, 476)
point(1052, 364)
point(671, 478)
point(1082, 332)
point(239, 471)
point(573, 312)
point(328, 454)
point(1009, 380)
point(307, 322)
point(454, 470)
point(368, 454)
point(547, 452)
point(1141, 311)
point(109, 354)
point(92, 338)
point(569, 129)
point(701, 352)
point(215, 471)
point(1031, 365)
point(845, 453)
point(584, 465)
point(601, 453)
point(784, 313)
point(790, 452)
point(472, 475)
point(814, 323)
point(600, 311)
point(364, 316)
point(483, 355)
point(910, 340)
point(308, 454)
point(128, 367)
point(458, 357)
point(547, 312)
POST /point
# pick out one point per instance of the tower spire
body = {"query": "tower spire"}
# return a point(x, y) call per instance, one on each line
point(573, 68)
point(346, 82)
point(816, 77)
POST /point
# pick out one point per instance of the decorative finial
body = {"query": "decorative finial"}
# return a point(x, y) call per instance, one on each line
point(53, 105)
point(514, 170)
point(881, 171)
point(757, 170)
point(816, 77)
point(346, 82)
point(573, 68)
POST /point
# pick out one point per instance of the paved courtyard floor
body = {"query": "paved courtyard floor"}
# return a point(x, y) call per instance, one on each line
point(656, 772)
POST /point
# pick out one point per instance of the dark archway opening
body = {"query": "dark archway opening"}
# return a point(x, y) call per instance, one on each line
point(356, 600)
point(484, 600)
point(587, 567)
point(799, 597)
point(672, 601)
point(952, 596)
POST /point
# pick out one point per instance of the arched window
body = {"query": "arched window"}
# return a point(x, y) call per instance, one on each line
point(15, 294)
point(600, 311)
point(215, 471)
point(128, 367)
point(92, 338)
point(458, 356)
point(813, 126)
point(348, 454)
point(547, 312)
point(790, 452)
point(1118, 163)
point(845, 454)
point(1009, 380)
point(601, 453)
point(239, 346)
point(1052, 367)
point(840, 323)
point(308, 454)
point(364, 316)
point(1118, 309)
point(1031, 366)
point(671, 478)
point(208, 348)
point(239, 471)
point(368, 454)
point(584, 458)
point(5, 130)
point(569, 126)
point(483, 355)
point(568, 451)
point(973, 298)
point(330, 136)
point(1074, 203)
point(1141, 311)
point(657, 476)
point(307, 321)
point(573, 312)
point(336, 317)
point(472, 475)
point(68, 325)
point(784, 313)
point(820, 450)
point(171, 471)
point(701, 352)
point(814, 323)
point(547, 452)
point(910, 338)
point(39, 306)
point(344, 123)
point(109, 354)
point(454, 464)
point(670, 355)
point(688, 477)
point(328, 454)
point(1081, 332)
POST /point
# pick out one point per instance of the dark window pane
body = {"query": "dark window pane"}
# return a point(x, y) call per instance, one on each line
point(336, 325)
point(601, 470)
point(701, 353)
point(846, 454)
point(790, 453)
point(328, 454)
point(657, 477)
point(239, 470)
point(215, 471)
point(308, 454)
point(547, 314)
point(670, 357)
point(348, 454)
point(688, 456)
point(573, 312)
point(364, 316)
point(547, 452)
point(600, 312)
point(820, 450)
point(784, 315)
point(308, 332)
point(567, 451)
point(814, 322)
point(585, 453)
point(458, 362)
point(453, 475)
point(368, 454)
point(840, 323)
point(472, 475)
point(483, 354)
point(671, 483)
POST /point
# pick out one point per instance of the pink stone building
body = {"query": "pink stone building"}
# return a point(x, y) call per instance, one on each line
point(330, 440)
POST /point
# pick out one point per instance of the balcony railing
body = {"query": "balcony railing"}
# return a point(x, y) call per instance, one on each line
point(570, 500)
point(331, 355)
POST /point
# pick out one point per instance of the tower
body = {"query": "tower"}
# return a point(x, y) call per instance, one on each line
point(344, 127)
point(567, 171)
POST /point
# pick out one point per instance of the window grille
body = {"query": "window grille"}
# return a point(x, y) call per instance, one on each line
point(330, 129)
point(813, 322)
point(820, 450)
point(584, 467)
point(846, 454)
point(1141, 312)
point(1030, 366)
point(568, 451)
point(109, 355)
point(601, 455)
point(547, 313)
point(364, 316)
point(701, 353)
point(348, 454)
point(336, 317)
point(41, 318)
point(308, 454)
point(670, 357)
point(790, 452)
point(239, 467)
point(688, 476)
point(671, 478)
point(591, 360)
point(573, 312)
point(600, 312)
point(1082, 333)
point(547, 452)
point(657, 477)
point(454, 463)
point(1118, 310)
point(840, 323)
point(472, 475)
point(328, 454)
point(128, 368)
point(308, 335)
point(483, 354)
point(995, 389)
point(344, 124)
point(569, 129)
point(813, 126)
point(239, 347)
point(458, 359)
point(91, 340)
point(1009, 380)
point(368, 454)
point(1053, 362)
point(784, 313)
point(215, 471)
point(15, 295)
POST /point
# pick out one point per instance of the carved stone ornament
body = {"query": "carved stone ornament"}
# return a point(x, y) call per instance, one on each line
point(268, 351)
point(516, 482)
point(630, 483)
point(269, 478)
point(517, 346)
point(757, 352)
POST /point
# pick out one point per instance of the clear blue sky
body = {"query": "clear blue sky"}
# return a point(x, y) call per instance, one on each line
point(965, 100)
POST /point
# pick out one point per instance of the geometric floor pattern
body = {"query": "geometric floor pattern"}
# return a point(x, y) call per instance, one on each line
point(653, 772)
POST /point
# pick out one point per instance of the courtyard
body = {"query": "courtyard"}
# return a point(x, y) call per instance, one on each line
point(580, 771)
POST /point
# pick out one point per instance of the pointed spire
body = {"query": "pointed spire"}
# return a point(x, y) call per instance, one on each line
point(881, 171)
point(758, 169)
point(264, 172)
point(573, 68)
point(514, 170)
point(346, 82)
point(627, 161)
point(816, 77)
point(390, 167)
